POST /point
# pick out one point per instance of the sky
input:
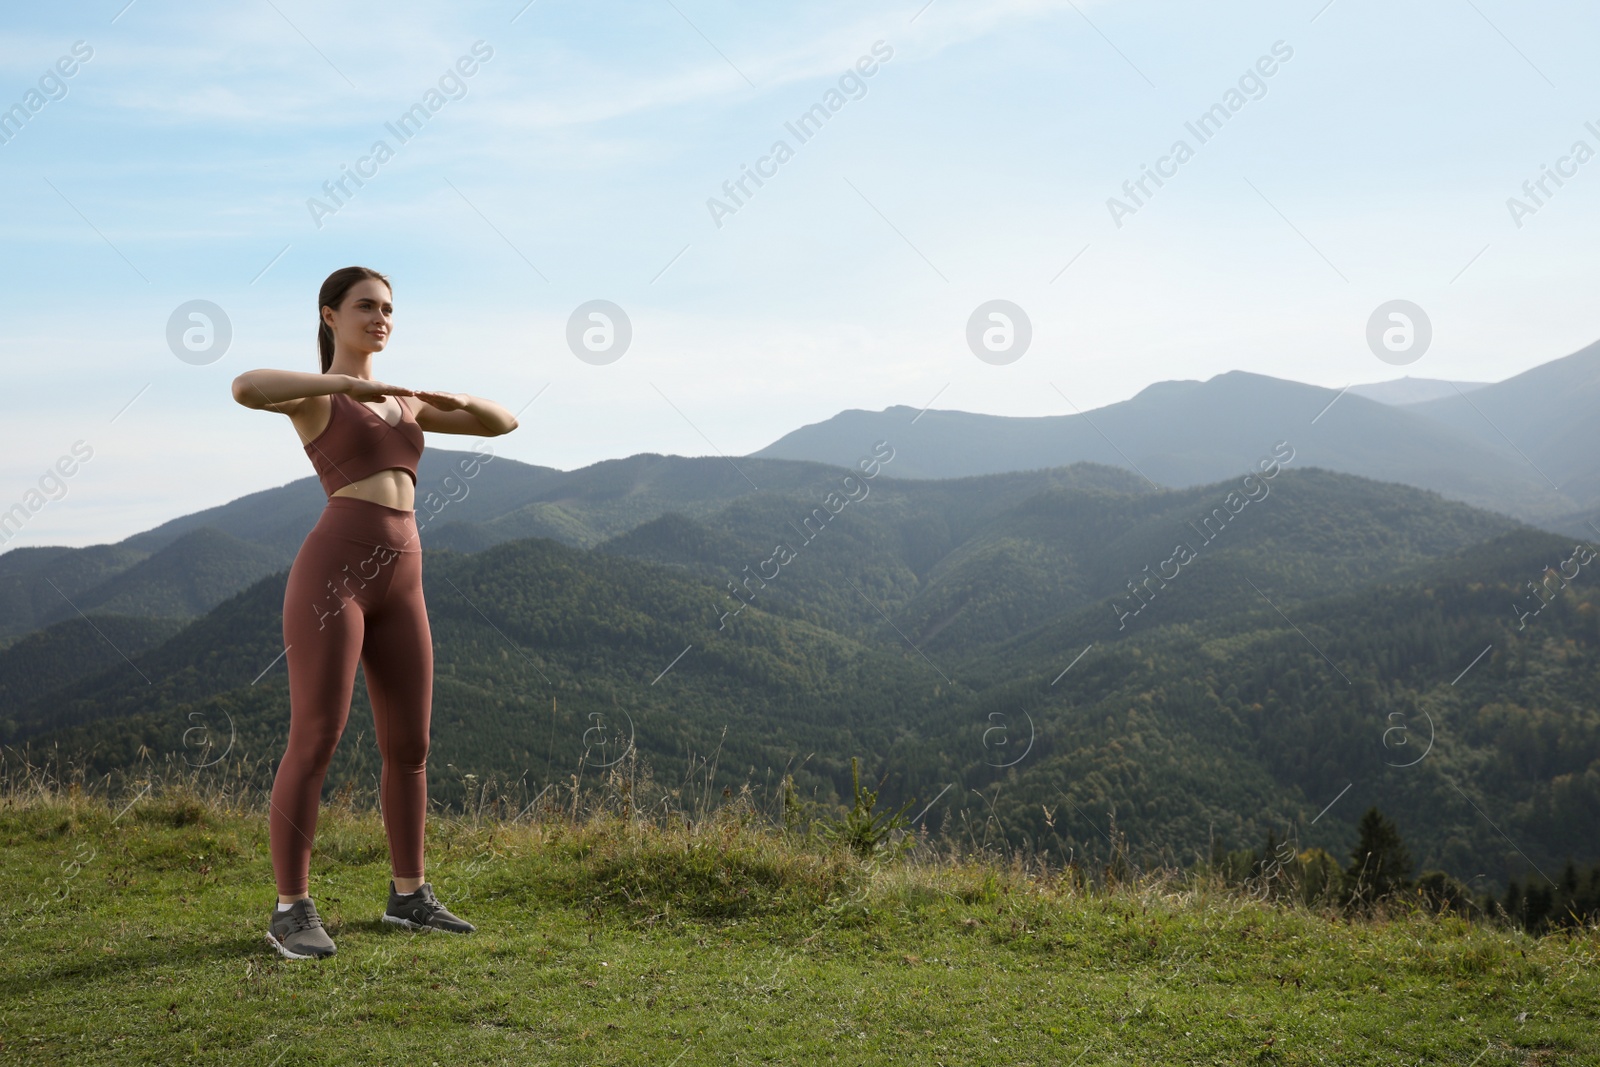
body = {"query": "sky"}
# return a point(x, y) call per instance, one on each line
point(957, 154)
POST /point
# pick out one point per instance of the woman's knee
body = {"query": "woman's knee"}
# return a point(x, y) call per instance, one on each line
point(312, 749)
point(408, 754)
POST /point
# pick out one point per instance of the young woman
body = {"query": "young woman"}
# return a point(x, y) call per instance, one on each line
point(355, 594)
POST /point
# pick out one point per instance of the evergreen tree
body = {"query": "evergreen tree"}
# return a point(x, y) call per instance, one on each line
point(1513, 901)
point(1380, 863)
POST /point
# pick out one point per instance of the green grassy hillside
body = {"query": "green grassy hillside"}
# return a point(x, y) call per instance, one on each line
point(616, 930)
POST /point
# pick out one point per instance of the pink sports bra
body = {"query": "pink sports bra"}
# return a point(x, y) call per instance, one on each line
point(358, 442)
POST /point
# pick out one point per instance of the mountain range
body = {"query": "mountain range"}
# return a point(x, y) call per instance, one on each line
point(1049, 654)
point(1525, 447)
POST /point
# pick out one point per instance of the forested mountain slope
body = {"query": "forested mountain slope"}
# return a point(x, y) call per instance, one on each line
point(982, 641)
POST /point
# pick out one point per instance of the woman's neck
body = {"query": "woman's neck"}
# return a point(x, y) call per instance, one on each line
point(357, 366)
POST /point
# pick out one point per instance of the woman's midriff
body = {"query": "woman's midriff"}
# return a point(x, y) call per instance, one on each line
point(392, 488)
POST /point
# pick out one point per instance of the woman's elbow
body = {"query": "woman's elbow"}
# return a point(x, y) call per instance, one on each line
point(244, 391)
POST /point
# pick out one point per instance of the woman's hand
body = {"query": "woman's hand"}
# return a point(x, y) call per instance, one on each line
point(443, 401)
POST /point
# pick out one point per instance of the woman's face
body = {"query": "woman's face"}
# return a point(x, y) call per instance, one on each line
point(361, 324)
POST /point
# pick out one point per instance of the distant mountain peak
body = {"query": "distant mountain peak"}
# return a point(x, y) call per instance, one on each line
point(1409, 390)
point(1171, 387)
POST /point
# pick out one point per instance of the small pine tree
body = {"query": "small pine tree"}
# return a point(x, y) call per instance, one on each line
point(1539, 906)
point(864, 832)
point(1443, 893)
point(1513, 901)
point(1263, 863)
point(1320, 877)
point(1538, 903)
point(1380, 863)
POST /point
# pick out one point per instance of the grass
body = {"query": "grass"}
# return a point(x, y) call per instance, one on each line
point(133, 934)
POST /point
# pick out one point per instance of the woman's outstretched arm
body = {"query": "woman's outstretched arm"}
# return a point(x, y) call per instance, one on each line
point(275, 390)
point(462, 413)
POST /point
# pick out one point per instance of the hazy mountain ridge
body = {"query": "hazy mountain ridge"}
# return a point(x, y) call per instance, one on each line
point(1409, 390)
point(1183, 433)
point(1179, 433)
point(1541, 418)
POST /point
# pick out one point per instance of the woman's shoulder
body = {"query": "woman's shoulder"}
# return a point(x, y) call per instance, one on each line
point(313, 416)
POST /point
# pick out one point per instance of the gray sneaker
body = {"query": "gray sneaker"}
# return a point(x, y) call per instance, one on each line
point(297, 934)
point(421, 911)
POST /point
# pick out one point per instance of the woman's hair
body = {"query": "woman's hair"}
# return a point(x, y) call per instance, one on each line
point(332, 295)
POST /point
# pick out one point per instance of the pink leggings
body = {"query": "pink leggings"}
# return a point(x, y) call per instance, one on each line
point(355, 593)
